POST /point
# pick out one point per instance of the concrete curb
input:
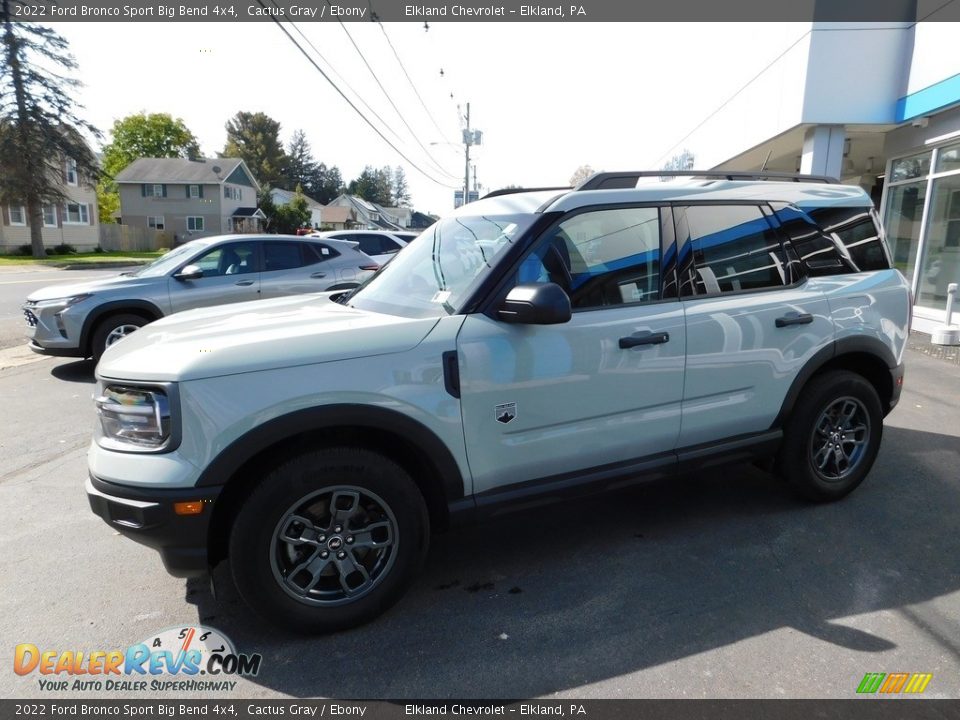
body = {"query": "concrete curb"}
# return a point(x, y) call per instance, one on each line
point(105, 265)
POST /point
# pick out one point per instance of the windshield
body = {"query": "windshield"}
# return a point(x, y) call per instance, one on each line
point(437, 272)
point(165, 263)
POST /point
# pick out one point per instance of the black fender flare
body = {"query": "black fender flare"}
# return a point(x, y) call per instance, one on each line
point(330, 417)
point(114, 306)
point(844, 346)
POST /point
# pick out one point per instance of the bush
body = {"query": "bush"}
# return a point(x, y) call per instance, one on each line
point(98, 249)
point(64, 249)
point(25, 250)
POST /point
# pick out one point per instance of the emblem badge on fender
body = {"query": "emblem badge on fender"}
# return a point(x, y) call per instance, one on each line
point(505, 413)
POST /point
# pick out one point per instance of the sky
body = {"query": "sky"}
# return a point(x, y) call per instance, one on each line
point(548, 97)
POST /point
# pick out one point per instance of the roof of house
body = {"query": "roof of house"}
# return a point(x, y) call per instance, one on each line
point(335, 214)
point(180, 170)
point(248, 212)
point(282, 197)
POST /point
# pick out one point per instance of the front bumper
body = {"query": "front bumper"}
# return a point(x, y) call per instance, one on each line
point(147, 516)
point(53, 329)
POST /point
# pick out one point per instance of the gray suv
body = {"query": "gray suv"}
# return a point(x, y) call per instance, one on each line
point(83, 319)
point(531, 346)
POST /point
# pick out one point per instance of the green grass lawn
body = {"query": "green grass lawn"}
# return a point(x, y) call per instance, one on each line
point(79, 258)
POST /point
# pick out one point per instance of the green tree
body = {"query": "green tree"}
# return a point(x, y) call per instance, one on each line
point(255, 137)
point(40, 128)
point(373, 185)
point(157, 135)
point(329, 186)
point(400, 189)
point(301, 169)
point(285, 219)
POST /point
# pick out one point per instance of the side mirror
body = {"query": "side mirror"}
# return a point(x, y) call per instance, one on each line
point(535, 304)
point(189, 272)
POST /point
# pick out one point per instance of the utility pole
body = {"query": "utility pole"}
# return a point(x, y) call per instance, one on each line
point(467, 138)
point(470, 137)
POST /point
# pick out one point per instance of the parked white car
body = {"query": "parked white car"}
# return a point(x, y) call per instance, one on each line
point(381, 245)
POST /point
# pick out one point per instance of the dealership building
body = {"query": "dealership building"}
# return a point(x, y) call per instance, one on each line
point(874, 104)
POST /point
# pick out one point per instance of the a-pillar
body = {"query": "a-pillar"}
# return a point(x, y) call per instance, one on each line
point(823, 151)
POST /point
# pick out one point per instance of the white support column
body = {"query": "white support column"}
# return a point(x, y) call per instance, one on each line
point(823, 150)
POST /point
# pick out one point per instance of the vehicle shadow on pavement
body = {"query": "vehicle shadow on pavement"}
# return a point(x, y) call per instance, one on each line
point(78, 371)
point(553, 599)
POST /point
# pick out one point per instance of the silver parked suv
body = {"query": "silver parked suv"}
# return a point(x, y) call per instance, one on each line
point(533, 345)
point(82, 319)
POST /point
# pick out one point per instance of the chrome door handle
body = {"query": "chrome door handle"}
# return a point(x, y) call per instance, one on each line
point(244, 282)
point(794, 318)
point(319, 275)
point(644, 338)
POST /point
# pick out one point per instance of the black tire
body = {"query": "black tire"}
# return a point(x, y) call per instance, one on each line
point(265, 565)
point(110, 324)
point(814, 455)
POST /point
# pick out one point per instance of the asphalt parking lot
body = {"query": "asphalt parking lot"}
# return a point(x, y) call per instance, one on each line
point(720, 585)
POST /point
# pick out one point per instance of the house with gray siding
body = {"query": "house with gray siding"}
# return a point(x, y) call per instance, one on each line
point(190, 198)
point(73, 221)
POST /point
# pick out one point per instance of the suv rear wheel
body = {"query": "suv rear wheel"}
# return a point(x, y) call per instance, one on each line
point(329, 539)
point(833, 436)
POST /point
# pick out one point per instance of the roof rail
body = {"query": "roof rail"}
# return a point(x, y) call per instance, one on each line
point(511, 191)
point(628, 180)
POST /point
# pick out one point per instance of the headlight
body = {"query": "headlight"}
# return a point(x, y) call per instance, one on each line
point(135, 418)
point(61, 302)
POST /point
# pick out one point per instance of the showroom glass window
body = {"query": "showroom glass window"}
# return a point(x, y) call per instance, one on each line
point(922, 218)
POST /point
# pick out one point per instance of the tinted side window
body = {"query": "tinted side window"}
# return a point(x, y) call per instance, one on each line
point(281, 256)
point(726, 249)
point(231, 259)
point(315, 252)
point(607, 257)
point(856, 229)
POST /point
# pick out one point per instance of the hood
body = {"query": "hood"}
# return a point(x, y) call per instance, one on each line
point(53, 292)
point(257, 335)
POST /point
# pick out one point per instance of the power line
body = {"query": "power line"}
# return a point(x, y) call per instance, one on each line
point(773, 62)
point(412, 84)
point(344, 81)
point(354, 107)
point(376, 79)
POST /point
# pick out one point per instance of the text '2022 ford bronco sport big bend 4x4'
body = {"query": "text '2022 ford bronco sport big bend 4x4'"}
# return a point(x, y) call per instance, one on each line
point(531, 345)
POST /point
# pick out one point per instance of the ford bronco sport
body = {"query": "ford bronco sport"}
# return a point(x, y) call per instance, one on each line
point(531, 345)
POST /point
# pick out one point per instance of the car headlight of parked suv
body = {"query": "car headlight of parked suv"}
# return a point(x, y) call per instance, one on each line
point(62, 303)
point(137, 419)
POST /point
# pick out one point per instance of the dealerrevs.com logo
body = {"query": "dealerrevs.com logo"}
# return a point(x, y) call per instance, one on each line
point(182, 659)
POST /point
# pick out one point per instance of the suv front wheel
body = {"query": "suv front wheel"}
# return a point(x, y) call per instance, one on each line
point(113, 329)
point(329, 539)
point(832, 438)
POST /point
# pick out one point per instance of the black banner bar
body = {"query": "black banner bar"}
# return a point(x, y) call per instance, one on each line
point(47, 11)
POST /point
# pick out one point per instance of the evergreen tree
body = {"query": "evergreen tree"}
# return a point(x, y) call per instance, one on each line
point(255, 138)
point(41, 132)
point(330, 184)
point(400, 189)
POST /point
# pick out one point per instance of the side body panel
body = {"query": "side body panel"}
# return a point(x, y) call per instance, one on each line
point(577, 398)
point(870, 304)
point(740, 364)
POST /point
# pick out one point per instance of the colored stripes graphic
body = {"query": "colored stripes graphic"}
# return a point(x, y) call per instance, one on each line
point(894, 682)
